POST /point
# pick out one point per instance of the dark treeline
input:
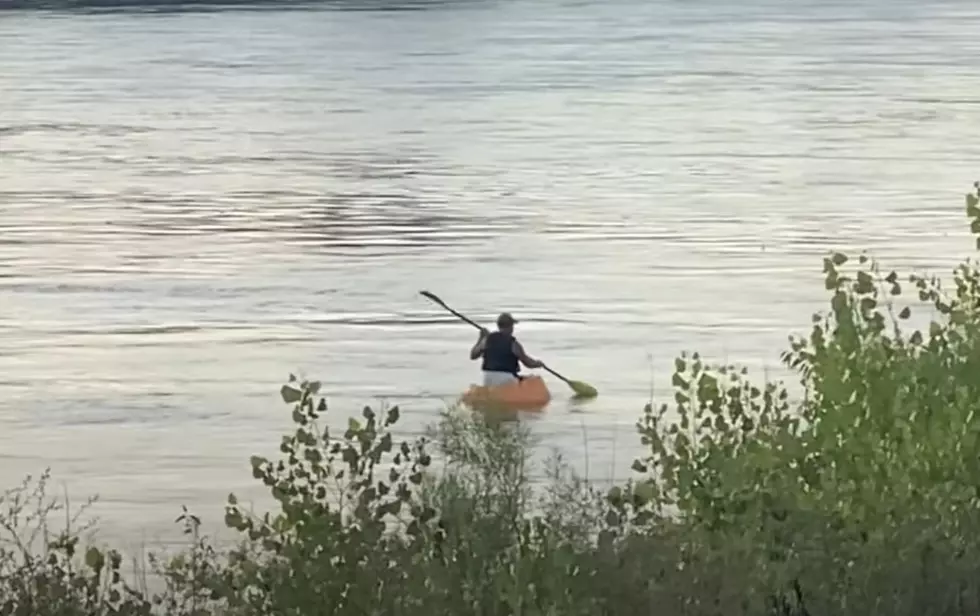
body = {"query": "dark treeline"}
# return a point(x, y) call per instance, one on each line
point(206, 5)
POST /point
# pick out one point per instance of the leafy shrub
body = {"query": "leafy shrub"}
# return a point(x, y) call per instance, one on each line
point(42, 572)
point(863, 498)
point(371, 526)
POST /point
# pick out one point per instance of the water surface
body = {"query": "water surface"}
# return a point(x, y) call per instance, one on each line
point(197, 203)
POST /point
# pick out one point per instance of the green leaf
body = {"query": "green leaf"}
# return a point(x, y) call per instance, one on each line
point(258, 461)
point(94, 559)
point(290, 395)
point(368, 495)
point(838, 259)
point(645, 490)
point(234, 520)
point(613, 518)
point(832, 281)
point(864, 284)
point(615, 496)
point(905, 313)
point(393, 415)
point(305, 436)
point(413, 529)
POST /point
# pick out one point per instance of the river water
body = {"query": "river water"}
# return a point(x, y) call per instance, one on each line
point(195, 203)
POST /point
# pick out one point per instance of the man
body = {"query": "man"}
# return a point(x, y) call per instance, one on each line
point(501, 353)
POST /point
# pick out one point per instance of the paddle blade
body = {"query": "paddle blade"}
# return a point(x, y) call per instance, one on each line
point(583, 390)
point(433, 297)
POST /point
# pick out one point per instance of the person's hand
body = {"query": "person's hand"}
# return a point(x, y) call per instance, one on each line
point(484, 332)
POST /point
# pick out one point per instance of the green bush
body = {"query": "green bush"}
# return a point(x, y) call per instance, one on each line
point(42, 572)
point(861, 497)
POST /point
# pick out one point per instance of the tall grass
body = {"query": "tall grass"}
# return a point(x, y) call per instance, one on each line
point(863, 499)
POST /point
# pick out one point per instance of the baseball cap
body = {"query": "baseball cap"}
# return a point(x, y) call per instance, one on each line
point(506, 319)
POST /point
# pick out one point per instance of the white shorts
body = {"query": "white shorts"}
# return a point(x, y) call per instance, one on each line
point(493, 379)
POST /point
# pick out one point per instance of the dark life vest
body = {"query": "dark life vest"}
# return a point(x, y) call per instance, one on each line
point(498, 354)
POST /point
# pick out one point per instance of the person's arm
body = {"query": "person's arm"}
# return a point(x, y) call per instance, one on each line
point(526, 359)
point(477, 351)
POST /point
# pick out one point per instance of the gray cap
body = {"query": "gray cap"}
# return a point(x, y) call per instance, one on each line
point(506, 319)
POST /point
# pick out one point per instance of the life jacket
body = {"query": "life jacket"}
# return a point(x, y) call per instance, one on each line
point(498, 354)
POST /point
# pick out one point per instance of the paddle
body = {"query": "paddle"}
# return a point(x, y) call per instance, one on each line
point(582, 390)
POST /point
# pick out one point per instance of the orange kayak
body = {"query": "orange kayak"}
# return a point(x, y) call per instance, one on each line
point(531, 393)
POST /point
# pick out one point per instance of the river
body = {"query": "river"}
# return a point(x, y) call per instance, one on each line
point(195, 203)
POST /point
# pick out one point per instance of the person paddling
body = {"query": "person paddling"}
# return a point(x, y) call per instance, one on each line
point(501, 353)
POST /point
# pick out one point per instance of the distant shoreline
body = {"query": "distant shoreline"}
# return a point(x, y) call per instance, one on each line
point(76, 5)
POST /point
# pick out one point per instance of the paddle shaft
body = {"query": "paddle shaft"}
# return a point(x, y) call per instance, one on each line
point(558, 375)
point(461, 317)
point(436, 299)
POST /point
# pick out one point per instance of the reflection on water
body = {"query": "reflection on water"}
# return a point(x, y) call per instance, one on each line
point(182, 225)
point(380, 200)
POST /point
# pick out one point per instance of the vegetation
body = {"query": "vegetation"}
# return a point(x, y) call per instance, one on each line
point(861, 499)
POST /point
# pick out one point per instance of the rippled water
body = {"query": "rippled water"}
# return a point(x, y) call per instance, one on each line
point(196, 203)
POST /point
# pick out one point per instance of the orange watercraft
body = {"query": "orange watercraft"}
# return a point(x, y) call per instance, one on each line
point(530, 393)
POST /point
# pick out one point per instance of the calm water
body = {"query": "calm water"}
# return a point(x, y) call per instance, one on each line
point(195, 204)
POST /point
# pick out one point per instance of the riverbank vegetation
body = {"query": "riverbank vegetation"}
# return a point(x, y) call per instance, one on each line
point(861, 499)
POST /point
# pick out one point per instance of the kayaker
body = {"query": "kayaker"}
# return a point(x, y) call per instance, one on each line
point(501, 353)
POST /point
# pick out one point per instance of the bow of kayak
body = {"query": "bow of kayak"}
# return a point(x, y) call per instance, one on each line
point(531, 393)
